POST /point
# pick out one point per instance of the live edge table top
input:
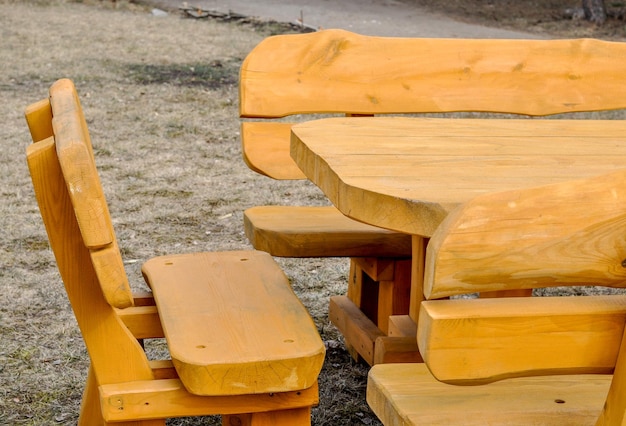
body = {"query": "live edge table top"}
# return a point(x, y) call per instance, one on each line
point(407, 174)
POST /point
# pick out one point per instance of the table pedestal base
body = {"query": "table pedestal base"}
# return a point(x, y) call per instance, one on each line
point(377, 289)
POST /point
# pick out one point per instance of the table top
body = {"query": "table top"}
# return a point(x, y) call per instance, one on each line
point(407, 174)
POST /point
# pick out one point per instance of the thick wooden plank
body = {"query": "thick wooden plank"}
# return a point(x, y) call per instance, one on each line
point(338, 71)
point(319, 231)
point(357, 328)
point(260, 339)
point(386, 172)
point(480, 340)
point(394, 295)
point(39, 119)
point(112, 277)
point(115, 353)
point(265, 148)
point(154, 399)
point(396, 350)
point(402, 326)
point(407, 394)
point(570, 233)
point(80, 175)
point(142, 321)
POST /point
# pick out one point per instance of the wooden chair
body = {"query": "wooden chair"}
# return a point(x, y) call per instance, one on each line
point(241, 343)
point(339, 72)
point(519, 361)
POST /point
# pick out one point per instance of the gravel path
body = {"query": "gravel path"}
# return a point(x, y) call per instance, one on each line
point(370, 17)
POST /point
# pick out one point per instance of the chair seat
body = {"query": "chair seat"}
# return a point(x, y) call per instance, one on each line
point(295, 231)
point(407, 394)
point(233, 324)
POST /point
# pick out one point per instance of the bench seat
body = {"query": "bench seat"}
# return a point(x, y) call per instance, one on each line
point(298, 231)
point(407, 394)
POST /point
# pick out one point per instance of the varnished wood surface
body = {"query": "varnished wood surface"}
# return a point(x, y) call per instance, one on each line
point(407, 394)
point(265, 149)
point(567, 233)
point(123, 386)
point(339, 71)
point(467, 341)
point(223, 337)
point(319, 231)
point(407, 174)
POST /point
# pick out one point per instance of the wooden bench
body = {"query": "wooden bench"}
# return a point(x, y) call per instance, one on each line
point(379, 277)
point(338, 72)
point(241, 343)
point(532, 360)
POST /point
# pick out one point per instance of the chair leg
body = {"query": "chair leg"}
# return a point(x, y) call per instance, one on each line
point(293, 417)
point(90, 413)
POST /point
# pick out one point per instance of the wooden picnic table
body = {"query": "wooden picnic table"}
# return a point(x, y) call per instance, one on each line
point(407, 174)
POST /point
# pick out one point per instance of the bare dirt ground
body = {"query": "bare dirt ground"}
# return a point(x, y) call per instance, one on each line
point(557, 18)
point(160, 98)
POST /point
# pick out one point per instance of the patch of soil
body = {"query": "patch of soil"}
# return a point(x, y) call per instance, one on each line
point(560, 18)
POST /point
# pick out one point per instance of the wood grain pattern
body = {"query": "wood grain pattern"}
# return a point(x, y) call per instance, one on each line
point(115, 353)
point(233, 324)
point(339, 71)
point(569, 233)
point(407, 394)
point(167, 398)
point(123, 385)
point(300, 231)
point(83, 185)
point(483, 340)
point(408, 174)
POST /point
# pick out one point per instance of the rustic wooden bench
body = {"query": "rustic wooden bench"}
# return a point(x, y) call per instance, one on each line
point(338, 72)
point(533, 360)
point(241, 343)
point(379, 277)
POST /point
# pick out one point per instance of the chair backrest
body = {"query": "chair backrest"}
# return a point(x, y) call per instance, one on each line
point(77, 221)
point(335, 71)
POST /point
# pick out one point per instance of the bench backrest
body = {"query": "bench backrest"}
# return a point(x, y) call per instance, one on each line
point(79, 229)
point(564, 234)
point(336, 71)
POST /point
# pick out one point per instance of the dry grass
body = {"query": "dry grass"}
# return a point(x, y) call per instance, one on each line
point(160, 98)
point(161, 101)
